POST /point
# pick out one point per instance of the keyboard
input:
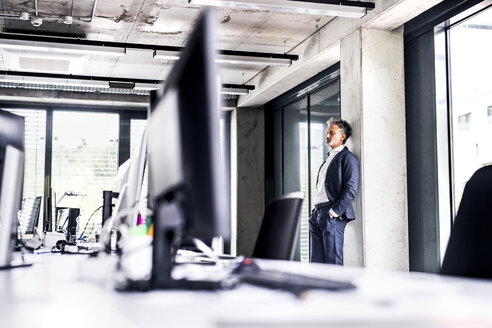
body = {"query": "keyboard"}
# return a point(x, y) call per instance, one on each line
point(250, 272)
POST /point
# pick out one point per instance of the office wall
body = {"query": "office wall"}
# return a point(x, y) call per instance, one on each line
point(373, 100)
point(247, 177)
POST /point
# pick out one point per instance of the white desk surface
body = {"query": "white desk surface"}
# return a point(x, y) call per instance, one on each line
point(69, 291)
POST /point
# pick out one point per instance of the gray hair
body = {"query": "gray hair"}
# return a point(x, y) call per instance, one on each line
point(342, 125)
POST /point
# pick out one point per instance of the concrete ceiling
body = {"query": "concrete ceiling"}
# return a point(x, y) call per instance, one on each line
point(170, 22)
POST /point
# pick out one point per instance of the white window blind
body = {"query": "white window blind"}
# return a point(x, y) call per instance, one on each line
point(137, 128)
point(84, 163)
point(35, 130)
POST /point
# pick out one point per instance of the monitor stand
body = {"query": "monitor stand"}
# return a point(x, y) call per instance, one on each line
point(168, 227)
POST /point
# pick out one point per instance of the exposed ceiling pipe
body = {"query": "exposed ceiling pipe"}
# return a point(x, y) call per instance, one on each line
point(16, 15)
point(50, 17)
point(6, 15)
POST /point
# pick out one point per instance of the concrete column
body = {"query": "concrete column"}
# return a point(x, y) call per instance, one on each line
point(248, 177)
point(373, 101)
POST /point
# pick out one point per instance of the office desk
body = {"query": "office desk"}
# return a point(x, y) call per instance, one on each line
point(63, 291)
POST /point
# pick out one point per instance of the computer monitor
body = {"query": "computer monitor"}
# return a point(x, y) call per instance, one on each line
point(129, 182)
point(186, 182)
point(28, 216)
point(135, 180)
point(11, 181)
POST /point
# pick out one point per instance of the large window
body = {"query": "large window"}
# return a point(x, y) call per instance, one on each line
point(77, 154)
point(295, 162)
point(299, 124)
point(137, 127)
point(84, 162)
point(470, 52)
point(447, 96)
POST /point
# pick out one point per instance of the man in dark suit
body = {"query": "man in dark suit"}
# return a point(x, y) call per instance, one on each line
point(336, 188)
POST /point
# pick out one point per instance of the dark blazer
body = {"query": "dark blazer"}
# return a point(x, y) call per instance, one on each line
point(342, 181)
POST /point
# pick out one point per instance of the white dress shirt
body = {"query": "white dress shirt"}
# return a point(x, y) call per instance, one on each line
point(321, 196)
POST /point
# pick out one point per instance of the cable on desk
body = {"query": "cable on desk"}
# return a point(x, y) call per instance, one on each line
point(89, 220)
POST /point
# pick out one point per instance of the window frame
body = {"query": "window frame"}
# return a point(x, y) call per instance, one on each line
point(429, 165)
point(125, 115)
point(226, 117)
point(447, 26)
point(303, 91)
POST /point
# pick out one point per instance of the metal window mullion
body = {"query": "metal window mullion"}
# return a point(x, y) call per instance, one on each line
point(226, 116)
point(48, 153)
point(282, 147)
point(450, 124)
point(124, 138)
point(309, 148)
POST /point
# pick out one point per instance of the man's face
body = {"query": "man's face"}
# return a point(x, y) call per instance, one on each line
point(334, 136)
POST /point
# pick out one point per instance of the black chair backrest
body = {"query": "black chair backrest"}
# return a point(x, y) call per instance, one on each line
point(469, 251)
point(278, 231)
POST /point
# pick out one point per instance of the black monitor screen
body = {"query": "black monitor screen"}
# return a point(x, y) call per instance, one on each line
point(11, 134)
point(185, 167)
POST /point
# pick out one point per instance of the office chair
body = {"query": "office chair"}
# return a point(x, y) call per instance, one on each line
point(278, 231)
point(469, 251)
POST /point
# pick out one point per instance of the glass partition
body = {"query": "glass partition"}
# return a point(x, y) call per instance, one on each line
point(299, 127)
point(84, 163)
point(471, 98)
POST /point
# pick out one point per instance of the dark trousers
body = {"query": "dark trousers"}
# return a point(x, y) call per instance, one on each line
point(326, 237)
